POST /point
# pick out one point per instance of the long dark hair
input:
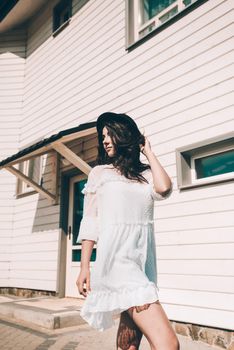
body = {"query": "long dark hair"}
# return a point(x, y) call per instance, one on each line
point(126, 141)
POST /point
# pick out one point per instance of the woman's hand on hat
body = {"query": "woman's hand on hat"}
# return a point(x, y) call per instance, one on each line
point(146, 148)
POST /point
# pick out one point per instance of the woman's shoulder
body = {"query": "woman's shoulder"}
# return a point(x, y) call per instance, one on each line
point(97, 171)
point(95, 177)
point(93, 180)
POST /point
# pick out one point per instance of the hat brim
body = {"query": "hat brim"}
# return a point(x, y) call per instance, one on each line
point(114, 117)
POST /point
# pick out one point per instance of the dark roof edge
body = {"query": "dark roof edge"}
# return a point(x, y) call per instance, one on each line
point(46, 141)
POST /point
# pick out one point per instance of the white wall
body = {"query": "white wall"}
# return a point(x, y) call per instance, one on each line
point(177, 85)
point(28, 243)
point(12, 62)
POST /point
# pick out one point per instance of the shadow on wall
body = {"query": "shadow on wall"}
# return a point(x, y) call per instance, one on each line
point(47, 216)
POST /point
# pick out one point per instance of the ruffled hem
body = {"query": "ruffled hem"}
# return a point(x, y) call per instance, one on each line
point(100, 307)
point(158, 196)
point(93, 188)
point(89, 229)
point(89, 189)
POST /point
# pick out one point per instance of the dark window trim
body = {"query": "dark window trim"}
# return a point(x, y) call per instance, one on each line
point(59, 29)
point(166, 24)
point(61, 5)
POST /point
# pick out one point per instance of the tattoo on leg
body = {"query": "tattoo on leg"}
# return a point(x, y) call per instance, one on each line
point(142, 307)
point(128, 335)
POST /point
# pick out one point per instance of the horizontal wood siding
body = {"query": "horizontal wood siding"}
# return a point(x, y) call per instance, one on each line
point(36, 230)
point(12, 63)
point(178, 87)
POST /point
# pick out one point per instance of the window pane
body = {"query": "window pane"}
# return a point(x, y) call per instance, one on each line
point(169, 14)
point(34, 169)
point(78, 207)
point(215, 164)
point(76, 255)
point(151, 8)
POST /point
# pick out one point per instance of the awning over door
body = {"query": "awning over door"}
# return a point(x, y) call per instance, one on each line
point(57, 143)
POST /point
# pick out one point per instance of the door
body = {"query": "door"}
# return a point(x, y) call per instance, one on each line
point(75, 213)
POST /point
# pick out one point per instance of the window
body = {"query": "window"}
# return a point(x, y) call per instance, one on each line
point(216, 164)
point(32, 169)
point(61, 16)
point(205, 163)
point(144, 16)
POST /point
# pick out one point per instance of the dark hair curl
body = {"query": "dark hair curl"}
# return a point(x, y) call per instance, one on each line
point(126, 141)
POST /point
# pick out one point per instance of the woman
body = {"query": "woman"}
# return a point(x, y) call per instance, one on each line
point(118, 215)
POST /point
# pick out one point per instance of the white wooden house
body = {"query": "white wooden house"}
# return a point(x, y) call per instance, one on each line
point(168, 65)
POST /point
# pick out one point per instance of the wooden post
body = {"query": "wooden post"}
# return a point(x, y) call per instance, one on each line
point(71, 157)
point(55, 175)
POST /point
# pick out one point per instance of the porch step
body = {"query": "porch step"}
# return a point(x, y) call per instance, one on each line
point(47, 312)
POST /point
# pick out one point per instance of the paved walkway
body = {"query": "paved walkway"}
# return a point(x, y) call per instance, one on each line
point(18, 334)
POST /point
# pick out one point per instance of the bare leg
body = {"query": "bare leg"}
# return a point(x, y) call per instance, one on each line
point(128, 334)
point(156, 327)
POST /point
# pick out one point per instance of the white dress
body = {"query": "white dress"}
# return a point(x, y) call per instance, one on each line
point(118, 215)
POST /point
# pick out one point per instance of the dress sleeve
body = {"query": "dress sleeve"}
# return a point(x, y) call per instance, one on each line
point(155, 195)
point(89, 222)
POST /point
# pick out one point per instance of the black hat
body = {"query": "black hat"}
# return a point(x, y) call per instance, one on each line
point(122, 118)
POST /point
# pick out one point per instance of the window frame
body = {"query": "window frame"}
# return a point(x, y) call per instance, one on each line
point(22, 188)
point(186, 156)
point(156, 18)
point(132, 6)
